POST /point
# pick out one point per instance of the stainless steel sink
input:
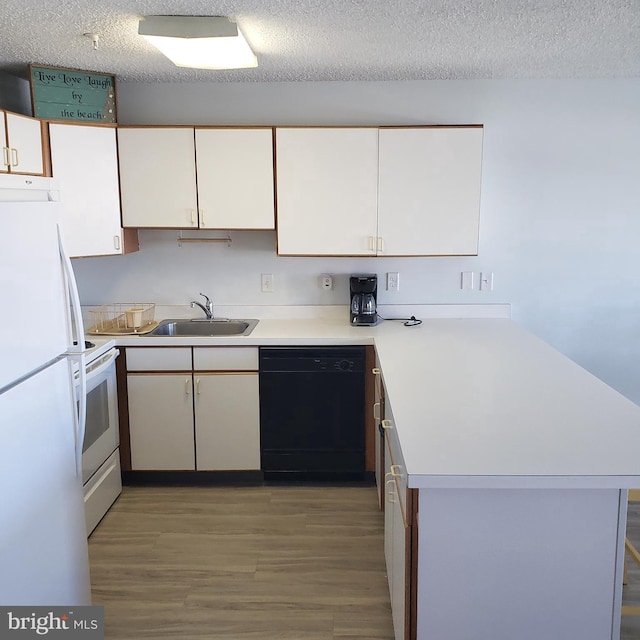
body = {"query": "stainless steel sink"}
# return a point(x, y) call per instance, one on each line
point(204, 328)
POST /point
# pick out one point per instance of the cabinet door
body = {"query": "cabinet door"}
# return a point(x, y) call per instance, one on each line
point(24, 136)
point(389, 496)
point(235, 178)
point(157, 177)
point(84, 162)
point(429, 191)
point(227, 421)
point(396, 527)
point(161, 421)
point(327, 191)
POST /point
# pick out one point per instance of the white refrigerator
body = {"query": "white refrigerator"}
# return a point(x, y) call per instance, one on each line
point(43, 540)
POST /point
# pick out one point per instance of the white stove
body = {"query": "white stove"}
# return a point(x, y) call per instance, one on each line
point(101, 475)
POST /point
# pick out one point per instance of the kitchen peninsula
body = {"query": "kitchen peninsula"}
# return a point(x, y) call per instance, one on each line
point(512, 465)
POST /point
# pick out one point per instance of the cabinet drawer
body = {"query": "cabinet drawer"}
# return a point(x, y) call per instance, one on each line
point(160, 359)
point(225, 359)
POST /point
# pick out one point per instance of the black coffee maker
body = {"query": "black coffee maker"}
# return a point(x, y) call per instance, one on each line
point(364, 305)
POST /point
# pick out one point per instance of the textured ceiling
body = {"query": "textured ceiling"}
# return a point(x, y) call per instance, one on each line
point(340, 39)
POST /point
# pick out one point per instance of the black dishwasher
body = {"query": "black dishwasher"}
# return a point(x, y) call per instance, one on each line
point(312, 413)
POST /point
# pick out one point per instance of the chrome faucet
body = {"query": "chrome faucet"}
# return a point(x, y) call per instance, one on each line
point(207, 307)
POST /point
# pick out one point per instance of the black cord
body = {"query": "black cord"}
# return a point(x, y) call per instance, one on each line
point(408, 322)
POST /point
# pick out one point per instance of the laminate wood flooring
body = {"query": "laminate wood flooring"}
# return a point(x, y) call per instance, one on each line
point(233, 563)
point(261, 563)
point(630, 627)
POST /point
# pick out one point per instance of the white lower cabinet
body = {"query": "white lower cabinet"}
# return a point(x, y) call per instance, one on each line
point(398, 581)
point(396, 536)
point(227, 421)
point(397, 531)
point(202, 420)
point(161, 421)
point(389, 495)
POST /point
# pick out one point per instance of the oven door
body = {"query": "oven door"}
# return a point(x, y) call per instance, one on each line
point(101, 436)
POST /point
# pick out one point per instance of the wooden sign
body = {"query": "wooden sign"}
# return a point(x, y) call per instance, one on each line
point(72, 94)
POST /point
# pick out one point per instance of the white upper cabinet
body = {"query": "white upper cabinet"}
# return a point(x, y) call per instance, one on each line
point(22, 150)
point(235, 178)
point(368, 191)
point(327, 181)
point(350, 191)
point(204, 178)
point(429, 190)
point(158, 177)
point(84, 163)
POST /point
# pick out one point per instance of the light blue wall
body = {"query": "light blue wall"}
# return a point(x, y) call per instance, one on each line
point(560, 213)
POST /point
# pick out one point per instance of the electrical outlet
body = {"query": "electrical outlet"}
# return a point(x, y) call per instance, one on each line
point(393, 281)
point(267, 283)
point(326, 281)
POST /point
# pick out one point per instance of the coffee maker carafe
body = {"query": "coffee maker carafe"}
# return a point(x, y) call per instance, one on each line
point(364, 305)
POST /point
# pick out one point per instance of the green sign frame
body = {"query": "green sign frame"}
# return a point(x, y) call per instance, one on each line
point(73, 94)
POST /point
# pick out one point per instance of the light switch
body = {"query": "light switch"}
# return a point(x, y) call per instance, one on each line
point(466, 280)
point(486, 281)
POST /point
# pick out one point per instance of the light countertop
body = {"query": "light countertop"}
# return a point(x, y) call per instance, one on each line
point(478, 402)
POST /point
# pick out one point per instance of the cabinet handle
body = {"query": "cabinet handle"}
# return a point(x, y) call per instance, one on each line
point(386, 424)
point(116, 243)
point(376, 411)
point(193, 216)
point(7, 160)
point(202, 218)
point(198, 386)
point(376, 371)
point(187, 386)
point(390, 492)
point(14, 154)
point(380, 244)
point(372, 245)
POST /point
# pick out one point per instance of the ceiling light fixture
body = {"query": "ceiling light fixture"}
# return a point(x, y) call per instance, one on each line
point(199, 42)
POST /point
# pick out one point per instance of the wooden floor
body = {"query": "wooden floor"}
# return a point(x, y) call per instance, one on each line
point(630, 627)
point(263, 563)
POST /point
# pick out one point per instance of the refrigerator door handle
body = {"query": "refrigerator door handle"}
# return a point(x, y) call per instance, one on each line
point(81, 421)
point(76, 311)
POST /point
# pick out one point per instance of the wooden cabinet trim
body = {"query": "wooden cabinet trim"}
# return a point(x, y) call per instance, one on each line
point(371, 431)
point(123, 411)
point(411, 602)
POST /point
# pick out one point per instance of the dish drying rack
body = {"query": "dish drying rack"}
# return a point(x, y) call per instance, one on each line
point(122, 318)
